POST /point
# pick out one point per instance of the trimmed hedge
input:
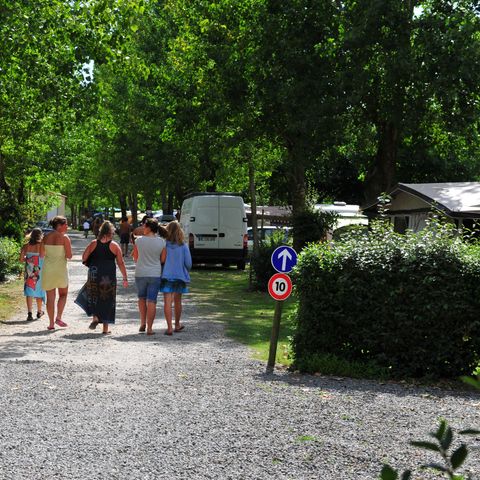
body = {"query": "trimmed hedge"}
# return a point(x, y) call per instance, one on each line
point(9, 253)
point(261, 260)
point(409, 303)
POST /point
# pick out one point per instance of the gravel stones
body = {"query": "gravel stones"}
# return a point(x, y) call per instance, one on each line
point(77, 405)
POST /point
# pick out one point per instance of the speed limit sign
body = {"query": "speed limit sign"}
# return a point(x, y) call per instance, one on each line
point(280, 286)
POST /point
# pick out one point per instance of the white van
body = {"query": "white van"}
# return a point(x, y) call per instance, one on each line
point(215, 225)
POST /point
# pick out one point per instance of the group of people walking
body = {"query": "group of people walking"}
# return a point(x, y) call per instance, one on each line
point(162, 260)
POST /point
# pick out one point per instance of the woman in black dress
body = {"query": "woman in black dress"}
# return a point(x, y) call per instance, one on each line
point(98, 296)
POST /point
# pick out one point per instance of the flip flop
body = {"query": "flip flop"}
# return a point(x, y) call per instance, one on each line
point(107, 333)
point(60, 323)
point(168, 333)
point(50, 328)
point(93, 325)
point(150, 333)
point(180, 328)
point(142, 328)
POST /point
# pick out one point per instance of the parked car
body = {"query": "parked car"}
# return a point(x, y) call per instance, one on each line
point(165, 218)
point(265, 233)
point(44, 226)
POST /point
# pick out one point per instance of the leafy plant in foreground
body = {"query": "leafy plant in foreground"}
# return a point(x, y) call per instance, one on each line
point(442, 444)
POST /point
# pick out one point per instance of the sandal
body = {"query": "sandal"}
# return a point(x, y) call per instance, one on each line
point(50, 328)
point(168, 333)
point(142, 328)
point(93, 325)
point(40, 314)
point(60, 323)
point(179, 329)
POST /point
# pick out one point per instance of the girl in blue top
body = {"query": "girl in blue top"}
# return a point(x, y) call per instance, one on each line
point(175, 276)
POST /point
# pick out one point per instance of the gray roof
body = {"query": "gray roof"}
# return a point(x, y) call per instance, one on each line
point(458, 197)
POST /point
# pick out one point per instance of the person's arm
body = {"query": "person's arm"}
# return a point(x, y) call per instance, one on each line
point(163, 255)
point(88, 250)
point(135, 253)
point(42, 250)
point(117, 251)
point(187, 258)
point(68, 247)
point(22, 253)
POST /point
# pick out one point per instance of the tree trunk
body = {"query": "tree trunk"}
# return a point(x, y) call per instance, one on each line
point(381, 176)
point(132, 197)
point(298, 187)
point(122, 198)
point(253, 202)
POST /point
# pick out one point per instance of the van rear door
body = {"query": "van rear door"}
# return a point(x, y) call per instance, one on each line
point(231, 224)
point(206, 222)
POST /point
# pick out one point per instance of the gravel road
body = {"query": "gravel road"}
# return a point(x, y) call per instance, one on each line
point(79, 405)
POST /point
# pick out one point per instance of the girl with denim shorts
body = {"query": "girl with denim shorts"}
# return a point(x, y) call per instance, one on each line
point(148, 254)
point(175, 276)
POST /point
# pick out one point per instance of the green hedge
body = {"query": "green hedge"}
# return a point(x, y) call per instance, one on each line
point(9, 254)
point(261, 260)
point(408, 303)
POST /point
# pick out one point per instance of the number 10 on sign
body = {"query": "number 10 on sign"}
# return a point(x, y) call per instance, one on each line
point(280, 286)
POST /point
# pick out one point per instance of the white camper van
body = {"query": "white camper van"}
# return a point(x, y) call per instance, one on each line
point(215, 225)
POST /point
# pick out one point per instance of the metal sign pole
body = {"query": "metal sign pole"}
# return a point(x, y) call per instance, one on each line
point(277, 316)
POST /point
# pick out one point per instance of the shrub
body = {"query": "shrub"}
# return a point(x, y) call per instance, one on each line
point(261, 262)
point(9, 253)
point(408, 303)
point(312, 226)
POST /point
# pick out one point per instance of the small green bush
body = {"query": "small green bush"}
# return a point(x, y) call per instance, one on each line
point(312, 226)
point(9, 254)
point(408, 303)
point(261, 260)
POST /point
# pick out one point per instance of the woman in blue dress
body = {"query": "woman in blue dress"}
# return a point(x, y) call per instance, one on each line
point(32, 255)
point(175, 276)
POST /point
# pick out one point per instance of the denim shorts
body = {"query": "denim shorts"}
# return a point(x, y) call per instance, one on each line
point(148, 287)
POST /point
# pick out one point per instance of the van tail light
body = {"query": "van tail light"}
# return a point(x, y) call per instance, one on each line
point(245, 241)
point(191, 241)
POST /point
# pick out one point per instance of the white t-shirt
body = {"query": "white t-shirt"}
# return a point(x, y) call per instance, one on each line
point(149, 251)
point(86, 225)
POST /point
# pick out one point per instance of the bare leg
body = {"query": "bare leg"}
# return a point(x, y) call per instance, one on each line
point(29, 304)
point(151, 312)
point(51, 307)
point(39, 305)
point(142, 308)
point(62, 300)
point(105, 328)
point(167, 308)
point(177, 299)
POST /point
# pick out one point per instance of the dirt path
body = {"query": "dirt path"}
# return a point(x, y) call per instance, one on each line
point(79, 405)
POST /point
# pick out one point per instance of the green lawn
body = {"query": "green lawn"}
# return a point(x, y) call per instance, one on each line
point(222, 295)
point(11, 299)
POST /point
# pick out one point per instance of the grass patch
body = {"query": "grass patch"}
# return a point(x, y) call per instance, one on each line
point(222, 295)
point(11, 297)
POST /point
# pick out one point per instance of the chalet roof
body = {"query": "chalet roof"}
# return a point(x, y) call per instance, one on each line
point(453, 197)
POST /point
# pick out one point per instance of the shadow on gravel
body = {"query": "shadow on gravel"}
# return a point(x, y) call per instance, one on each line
point(83, 336)
point(14, 322)
point(345, 385)
point(146, 338)
point(32, 333)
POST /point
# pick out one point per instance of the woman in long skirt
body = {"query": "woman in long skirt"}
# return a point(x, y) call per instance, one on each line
point(98, 296)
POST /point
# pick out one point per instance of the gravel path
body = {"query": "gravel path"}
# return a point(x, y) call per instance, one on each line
point(78, 405)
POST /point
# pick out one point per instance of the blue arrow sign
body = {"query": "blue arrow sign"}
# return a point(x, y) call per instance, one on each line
point(284, 259)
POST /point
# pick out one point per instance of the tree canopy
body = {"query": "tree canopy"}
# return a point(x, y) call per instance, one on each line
point(118, 102)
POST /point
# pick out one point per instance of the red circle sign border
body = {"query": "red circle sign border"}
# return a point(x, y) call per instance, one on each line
point(287, 279)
